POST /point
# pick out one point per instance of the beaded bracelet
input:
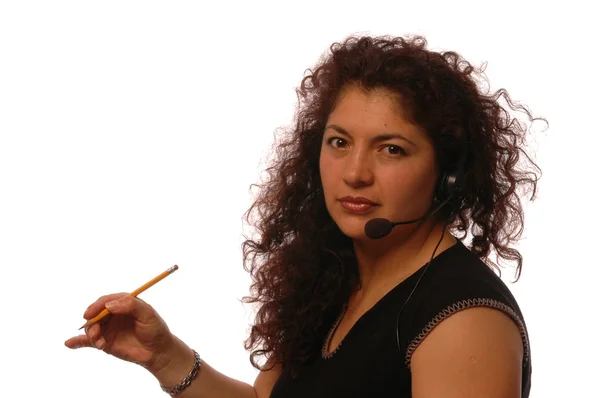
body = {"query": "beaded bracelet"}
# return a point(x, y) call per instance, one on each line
point(173, 391)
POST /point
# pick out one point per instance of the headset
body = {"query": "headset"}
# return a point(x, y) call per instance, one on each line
point(450, 186)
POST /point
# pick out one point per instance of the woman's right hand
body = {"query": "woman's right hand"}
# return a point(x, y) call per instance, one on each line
point(133, 332)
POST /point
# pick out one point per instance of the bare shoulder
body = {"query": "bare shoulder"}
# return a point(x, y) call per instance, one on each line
point(266, 379)
point(476, 352)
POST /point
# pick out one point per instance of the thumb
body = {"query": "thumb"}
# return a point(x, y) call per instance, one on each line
point(132, 306)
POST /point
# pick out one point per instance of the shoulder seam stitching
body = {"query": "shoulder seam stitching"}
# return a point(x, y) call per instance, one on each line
point(462, 305)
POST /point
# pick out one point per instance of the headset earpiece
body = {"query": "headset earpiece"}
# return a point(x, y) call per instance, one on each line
point(451, 184)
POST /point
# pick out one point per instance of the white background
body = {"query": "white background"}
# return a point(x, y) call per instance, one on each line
point(130, 133)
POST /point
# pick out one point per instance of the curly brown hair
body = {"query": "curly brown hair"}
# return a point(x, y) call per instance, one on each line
point(302, 267)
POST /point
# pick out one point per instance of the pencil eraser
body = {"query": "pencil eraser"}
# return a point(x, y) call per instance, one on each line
point(176, 267)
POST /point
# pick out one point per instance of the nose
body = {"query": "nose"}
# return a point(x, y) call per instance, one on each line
point(358, 171)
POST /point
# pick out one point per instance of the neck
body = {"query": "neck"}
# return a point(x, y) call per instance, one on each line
point(407, 248)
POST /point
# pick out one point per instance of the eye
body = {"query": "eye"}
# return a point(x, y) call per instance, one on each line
point(337, 142)
point(395, 150)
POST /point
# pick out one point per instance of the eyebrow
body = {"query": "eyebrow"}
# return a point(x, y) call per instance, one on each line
point(379, 138)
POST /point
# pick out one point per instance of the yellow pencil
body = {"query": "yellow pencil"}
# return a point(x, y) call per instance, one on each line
point(137, 291)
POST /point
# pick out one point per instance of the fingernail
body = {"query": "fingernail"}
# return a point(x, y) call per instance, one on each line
point(111, 305)
point(100, 343)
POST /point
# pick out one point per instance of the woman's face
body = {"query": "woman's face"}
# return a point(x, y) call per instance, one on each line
point(373, 163)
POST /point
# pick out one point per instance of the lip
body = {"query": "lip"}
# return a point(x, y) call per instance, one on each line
point(359, 200)
point(357, 204)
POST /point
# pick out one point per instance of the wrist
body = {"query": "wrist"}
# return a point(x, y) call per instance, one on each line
point(185, 383)
point(175, 364)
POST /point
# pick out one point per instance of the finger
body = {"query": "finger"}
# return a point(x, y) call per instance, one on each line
point(95, 308)
point(94, 336)
point(133, 306)
point(93, 332)
point(78, 342)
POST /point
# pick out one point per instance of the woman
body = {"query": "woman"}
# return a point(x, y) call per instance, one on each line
point(351, 307)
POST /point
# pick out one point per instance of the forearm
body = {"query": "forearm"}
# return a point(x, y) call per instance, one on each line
point(209, 383)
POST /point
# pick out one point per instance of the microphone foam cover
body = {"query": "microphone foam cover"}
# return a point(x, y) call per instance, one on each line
point(378, 228)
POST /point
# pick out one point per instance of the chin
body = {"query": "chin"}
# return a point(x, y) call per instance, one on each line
point(352, 225)
point(353, 229)
point(355, 235)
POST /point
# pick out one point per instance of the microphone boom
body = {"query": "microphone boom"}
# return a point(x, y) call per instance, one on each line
point(378, 228)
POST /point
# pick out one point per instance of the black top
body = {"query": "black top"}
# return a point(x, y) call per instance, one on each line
point(368, 363)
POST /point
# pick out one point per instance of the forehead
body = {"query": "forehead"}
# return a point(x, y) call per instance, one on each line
point(373, 112)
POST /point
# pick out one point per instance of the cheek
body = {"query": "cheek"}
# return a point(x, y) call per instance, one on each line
point(424, 187)
point(326, 170)
point(407, 184)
